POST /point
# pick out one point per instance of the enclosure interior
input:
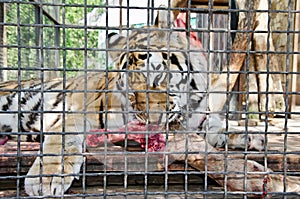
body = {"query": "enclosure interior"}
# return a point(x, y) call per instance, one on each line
point(55, 41)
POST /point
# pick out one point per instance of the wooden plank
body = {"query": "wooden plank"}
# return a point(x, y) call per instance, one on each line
point(116, 159)
point(51, 14)
point(296, 45)
point(113, 174)
point(237, 58)
point(94, 186)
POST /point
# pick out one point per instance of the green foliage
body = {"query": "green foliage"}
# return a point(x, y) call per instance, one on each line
point(80, 43)
point(20, 40)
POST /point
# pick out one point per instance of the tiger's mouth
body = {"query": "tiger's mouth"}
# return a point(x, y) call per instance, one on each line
point(3, 139)
point(158, 117)
point(154, 106)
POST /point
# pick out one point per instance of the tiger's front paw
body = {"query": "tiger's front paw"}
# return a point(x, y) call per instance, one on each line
point(53, 173)
point(250, 141)
point(53, 178)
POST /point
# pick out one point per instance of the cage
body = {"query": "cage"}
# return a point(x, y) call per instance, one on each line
point(149, 99)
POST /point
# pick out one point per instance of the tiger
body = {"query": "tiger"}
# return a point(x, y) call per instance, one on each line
point(158, 78)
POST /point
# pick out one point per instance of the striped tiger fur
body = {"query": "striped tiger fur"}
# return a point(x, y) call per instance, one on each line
point(158, 78)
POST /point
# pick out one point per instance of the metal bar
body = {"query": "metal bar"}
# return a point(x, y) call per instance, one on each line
point(222, 4)
point(126, 170)
point(46, 13)
point(121, 19)
point(3, 51)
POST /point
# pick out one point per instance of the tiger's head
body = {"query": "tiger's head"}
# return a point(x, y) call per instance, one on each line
point(158, 69)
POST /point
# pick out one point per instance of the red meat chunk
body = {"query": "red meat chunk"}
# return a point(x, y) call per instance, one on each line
point(135, 131)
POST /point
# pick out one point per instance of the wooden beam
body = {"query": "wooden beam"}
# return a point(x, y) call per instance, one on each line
point(49, 15)
point(219, 4)
point(115, 162)
point(295, 58)
point(241, 45)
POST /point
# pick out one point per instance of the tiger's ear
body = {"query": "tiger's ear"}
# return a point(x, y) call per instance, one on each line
point(116, 43)
point(164, 19)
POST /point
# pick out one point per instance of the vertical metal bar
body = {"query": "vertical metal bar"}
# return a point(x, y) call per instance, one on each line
point(64, 78)
point(106, 99)
point(209, 62)
point(19, 98)
point(40, 44)
point(211, 44)
point(189, 74)
point(3, 50)
point(127, 103)
point(247, 68)
point(152, 12)
point(57, 45)
point(121, 18)
point(267, 89)
point(84, 115)
point(287, 95)
point(38, 35)
point(166, 161)
point(147, 114)
point(230, 15)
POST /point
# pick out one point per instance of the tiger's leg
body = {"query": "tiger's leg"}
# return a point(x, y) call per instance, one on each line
point(240, 140)
point(212, 129)
point(215, 135)
point(54, 171)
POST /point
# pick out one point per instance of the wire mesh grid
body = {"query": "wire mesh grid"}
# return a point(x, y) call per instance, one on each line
point(132, 99)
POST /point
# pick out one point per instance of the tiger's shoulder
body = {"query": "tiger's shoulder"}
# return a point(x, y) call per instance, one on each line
point(22, 101)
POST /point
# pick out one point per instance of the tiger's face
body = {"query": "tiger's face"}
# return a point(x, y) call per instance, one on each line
point(164, 78)
point(147, 77)
point(153, 106)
